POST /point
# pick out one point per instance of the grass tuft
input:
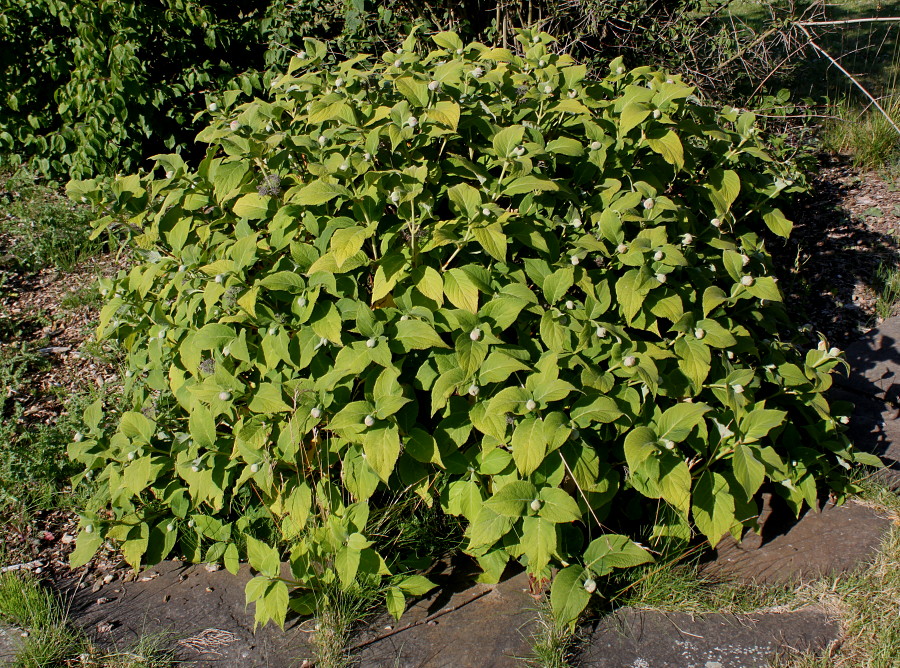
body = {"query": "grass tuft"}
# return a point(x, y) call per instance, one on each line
point(865, 134)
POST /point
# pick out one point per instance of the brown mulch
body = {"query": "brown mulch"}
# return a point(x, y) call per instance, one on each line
point(844, 229)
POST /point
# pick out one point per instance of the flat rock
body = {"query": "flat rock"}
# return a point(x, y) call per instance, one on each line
point(633, 638)
point(489, 629)
point(836, 539)
point(875, 363)
point(11, 641)
point(203, 613)
point(875, 428)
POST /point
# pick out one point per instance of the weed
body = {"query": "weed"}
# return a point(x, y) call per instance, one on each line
point(85, 297)
point(551, 643)
point(339, 613)
point(51, 641)
point(865, 134)
point(887, 285)
point(45, 229)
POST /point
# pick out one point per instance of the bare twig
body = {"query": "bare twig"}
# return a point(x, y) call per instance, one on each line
point(813, 24)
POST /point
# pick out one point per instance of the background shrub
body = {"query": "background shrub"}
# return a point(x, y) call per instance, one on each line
point(480, 279)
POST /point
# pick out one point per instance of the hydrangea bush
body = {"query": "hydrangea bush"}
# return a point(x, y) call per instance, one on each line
point(467, 275)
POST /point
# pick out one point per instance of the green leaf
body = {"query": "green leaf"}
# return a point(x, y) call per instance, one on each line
point(633, 114)
point(748, 470)
point(347, 242)
point(558, 506)
point(538, 543)
point(415, 585)
point(614, 551)
point(461, 290)
point(640, 443)
point(557, 284)
point(512, 499)
point(213, 336)
point(418, 335)
point(777, 222)
point(724, 186)
point(252, 207)
point(86, 546)
point(263, 557)
point(381, 446)
point(283, 281)
point(760, 422)
point(268, 399)
point(498, 367)
point(712, 297)
point(528, 184)
point(694, 358)
point(595, 409)
point(631, 290)
point(713, 506)
point(507, 139)
point(492, 239)
point(466, 200)
point(677, 422)
point(319, 192)
point(488, 528)
point(529, 445)
point(568, 597)
point(565, 146)
point(668, 145)
point(395, 601)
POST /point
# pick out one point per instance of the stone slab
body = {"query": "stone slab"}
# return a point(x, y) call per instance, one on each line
point(875, 427)
point(649, 639)
point(491, 631)
point(835, 540)
point(11, 642)
point(184, 602)
point(875, 363)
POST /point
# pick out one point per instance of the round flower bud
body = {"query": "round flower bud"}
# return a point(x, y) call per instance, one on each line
point(269, 127)
point(485, 212)
point(131, 456)
point(530, 405)
point(699, 333)
point(338, 82)
point(834, 352)
point(536, 505)
point(519, 150)
point(191, 524)
point(301, 54)
point(224, 396)
point(629, 361)
point(475, 334)
point(78, 437)
point(715, 222)
point(344, 167)
point(659, 256)
point(822, 346)
point(747, 281)
point(89, 528)
point(367, 156)
point(622, 248)
point(459, 52)
point(477, 72)
point(845, 419)
point(729, 355)
point(590, 586)
point(745, 260)
point(129, 373)
point(661, 278)
point(412, 122)
point(541, 63)
point(404, 318)
point(398, 62)
point(235, 126)
point(371, 343)
point(648, 203)
point(737, 388)
point(395, 197)
point(195, 468)
point(536, 39)
point(548, 88)
point(169, 175)
point(687, 239)
point(576, 222)
point(570, 304)
point(219, 278)
point(601, 332)
point(657, 113)
point(315, 412)
point(170, 527)
point(668, 444)
point(574, 260)
point(161, 334)
point(474, 390)
point(254, 468)
point(369, 421)
point(226, 351)
point(322, 139)
point(301, 301)
point(434, 85)
point(213, 107)
point(596, 146)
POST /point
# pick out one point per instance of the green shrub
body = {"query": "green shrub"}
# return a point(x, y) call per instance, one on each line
point(540, 301)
